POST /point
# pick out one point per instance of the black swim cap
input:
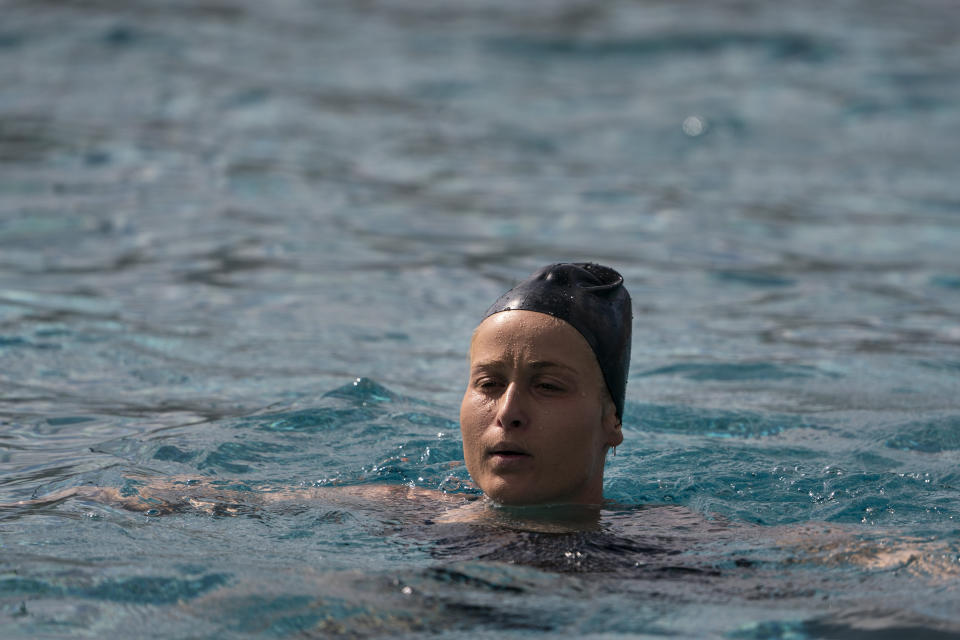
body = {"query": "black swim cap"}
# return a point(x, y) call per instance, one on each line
point(592, 299)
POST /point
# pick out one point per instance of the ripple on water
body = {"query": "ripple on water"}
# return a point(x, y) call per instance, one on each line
point(140, 589)
point(754, 278)
point(735, 371)
point(852, 625)
point(763, 476)
point(360, 432)
point(946, 281)
point(927, 436)
point(710, 422)
point(798, 46)
point(363, 391)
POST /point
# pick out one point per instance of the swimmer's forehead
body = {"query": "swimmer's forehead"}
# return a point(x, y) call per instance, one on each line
point(536, 365)
point(518, 325)
point(540, 340)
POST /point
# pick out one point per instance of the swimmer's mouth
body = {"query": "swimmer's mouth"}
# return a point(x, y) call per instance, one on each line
point(506, 452)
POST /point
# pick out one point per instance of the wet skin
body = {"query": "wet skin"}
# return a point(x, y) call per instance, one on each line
point(536, 418)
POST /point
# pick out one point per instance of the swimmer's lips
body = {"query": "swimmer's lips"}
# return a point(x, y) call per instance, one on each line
point(508, 456)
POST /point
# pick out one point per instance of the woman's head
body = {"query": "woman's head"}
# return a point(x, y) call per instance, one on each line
point(548, 368)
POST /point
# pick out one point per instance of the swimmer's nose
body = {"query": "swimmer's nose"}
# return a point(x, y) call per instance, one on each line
point(511, 412)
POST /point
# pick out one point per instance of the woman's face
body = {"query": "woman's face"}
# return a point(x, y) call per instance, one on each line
point(536, 417)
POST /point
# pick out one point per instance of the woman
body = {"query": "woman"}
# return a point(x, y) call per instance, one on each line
point(542, 408)
point(544, 401)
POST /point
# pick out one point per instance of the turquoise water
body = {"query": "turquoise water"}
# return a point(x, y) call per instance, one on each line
point(246, 243)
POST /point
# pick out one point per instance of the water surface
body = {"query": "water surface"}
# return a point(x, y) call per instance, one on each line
point(215, 217)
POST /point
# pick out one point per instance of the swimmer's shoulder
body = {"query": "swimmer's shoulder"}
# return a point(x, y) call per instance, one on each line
point(378, 493)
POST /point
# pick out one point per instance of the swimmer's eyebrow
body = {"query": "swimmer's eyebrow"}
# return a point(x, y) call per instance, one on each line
point(538, 365)
point(546, 364)
point(489, 365)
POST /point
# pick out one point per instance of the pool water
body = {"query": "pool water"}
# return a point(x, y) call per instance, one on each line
point(243, 245)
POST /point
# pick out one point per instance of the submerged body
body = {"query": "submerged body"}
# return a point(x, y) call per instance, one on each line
point(637, 542)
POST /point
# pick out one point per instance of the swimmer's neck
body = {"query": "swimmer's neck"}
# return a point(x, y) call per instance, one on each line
point(558, 517)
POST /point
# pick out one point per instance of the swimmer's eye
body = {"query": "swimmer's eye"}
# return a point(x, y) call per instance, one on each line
point(550, 387)
point(487, 383)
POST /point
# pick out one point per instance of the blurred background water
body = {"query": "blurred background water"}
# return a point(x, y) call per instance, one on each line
point(215, 216)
